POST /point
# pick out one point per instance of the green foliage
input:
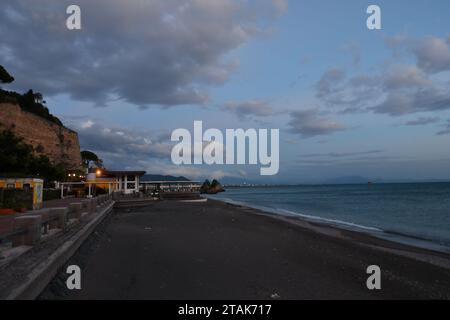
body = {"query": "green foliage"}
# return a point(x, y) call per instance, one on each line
point(16, 199)
point(30, 101)
point(15, 155)
point(51, 194)
point(87, 157)
point(17, 158)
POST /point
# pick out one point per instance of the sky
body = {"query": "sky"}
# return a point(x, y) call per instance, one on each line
point(348, 101)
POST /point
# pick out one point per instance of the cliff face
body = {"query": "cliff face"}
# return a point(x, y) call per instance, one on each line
point(56, 142)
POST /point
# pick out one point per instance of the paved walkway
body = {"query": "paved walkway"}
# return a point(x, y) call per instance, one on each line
point(57, 203)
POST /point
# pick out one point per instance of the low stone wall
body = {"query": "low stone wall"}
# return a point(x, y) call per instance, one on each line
point(53, 235)
point(29, 228)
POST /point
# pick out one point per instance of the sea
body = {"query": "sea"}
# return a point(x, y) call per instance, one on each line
point(417, 214)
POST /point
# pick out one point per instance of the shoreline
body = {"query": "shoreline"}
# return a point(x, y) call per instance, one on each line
point(391, 236)
point(362, 237)
point(216, 250)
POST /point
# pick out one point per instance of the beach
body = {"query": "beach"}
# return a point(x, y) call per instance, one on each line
point(216, 250)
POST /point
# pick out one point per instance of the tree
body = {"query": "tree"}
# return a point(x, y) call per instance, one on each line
point(88, 156)
point(18, 159)
point(30, 101)
point(99, 163)
point(38, 98)
point(15, 154)
point(5, 77)
point(33, 102)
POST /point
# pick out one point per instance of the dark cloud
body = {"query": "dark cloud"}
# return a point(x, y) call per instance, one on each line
point(404, 76)
point(309, 123)
point(399, 103)
point(422, 121)
point(329, 82)
point(122, 147)
point(446, 129)
point(156, 52)
point(396, 89)
point(244, 109)
point(346, 94)
point(432, 53)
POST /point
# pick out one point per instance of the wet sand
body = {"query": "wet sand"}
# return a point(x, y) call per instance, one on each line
point(214, 250)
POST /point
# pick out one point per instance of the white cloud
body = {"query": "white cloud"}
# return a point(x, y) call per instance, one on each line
point(281, 6)
point(158, 52)
point(309, 123)
point(87, 124)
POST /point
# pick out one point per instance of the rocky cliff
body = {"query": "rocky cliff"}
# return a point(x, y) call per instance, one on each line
point(59, 143)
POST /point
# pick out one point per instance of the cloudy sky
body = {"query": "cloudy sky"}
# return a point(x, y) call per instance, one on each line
point(347, 100)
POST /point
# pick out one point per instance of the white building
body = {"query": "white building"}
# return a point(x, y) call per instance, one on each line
point(126, 181)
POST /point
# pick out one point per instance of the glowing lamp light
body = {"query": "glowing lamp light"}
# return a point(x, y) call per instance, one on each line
point(99, 172)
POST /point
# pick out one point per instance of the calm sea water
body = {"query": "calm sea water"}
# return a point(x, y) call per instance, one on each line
point(416, 213)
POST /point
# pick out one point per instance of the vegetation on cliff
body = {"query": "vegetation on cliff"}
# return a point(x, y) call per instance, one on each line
point(88, 157)
point(211, 187)
point(17, 159)
point(30, 101)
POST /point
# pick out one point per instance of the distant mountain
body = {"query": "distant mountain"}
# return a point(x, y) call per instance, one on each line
point(349, 180)
point(236, 181)
point(159, 177)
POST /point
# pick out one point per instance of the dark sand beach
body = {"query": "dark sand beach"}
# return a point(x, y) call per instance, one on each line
point(214, 250)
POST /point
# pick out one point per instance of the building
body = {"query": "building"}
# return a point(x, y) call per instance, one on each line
point(125, 181)
point(109, 181)
point(170, 186)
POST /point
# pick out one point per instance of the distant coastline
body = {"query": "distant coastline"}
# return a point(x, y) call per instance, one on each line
point(267, 185)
